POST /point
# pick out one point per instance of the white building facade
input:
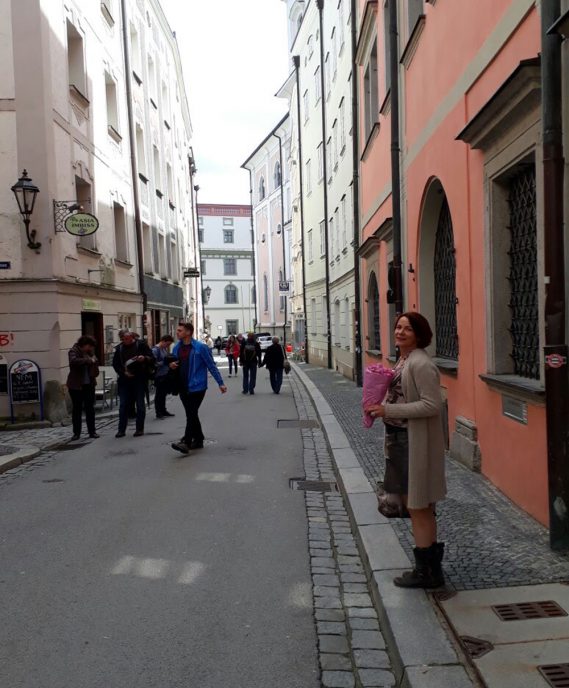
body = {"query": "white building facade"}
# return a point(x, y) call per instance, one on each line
point(269, 168)
point(66, 118)
point(227, 268)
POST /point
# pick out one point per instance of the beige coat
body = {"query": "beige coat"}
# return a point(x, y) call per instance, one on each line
point(420, 383)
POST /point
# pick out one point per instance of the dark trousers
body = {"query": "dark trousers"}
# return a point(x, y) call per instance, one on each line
point(132, 391)
point(83, 399)
point(160, 394)
point(276, 377)
point(232, 363)
point(192, 402)
point(249, 376)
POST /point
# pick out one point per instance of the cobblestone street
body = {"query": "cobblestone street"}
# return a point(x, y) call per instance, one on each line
point(489, 541)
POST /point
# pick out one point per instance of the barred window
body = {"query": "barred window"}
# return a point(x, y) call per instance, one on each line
point(524, 324)
point(444, 271)
point(373, 311)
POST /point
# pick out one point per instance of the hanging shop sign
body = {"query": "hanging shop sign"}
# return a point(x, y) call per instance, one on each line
point(283, 288)
point(81, 224)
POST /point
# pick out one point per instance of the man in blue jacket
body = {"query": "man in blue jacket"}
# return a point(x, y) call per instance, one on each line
point(194, 360)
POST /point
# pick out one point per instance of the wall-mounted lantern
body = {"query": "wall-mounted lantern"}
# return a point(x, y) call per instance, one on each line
point(25, 193)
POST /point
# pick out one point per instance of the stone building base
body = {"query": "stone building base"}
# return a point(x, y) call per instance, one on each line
point(464, 445)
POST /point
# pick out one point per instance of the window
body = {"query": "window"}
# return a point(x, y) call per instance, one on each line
point(327, 75)
point(203, 266)
point(337, 323)
point(323, 238)
point(83, 193)
point(387, 47)
point(332, 242)
point(228, 236)
point(162, 256)
point(342, 126)
point(373, 314)
point(279, 228)
point(306, 106)
point(135, 52)
point(335, 143)
point(371, 105)
point(317, 84)
point(165, 101)
point(147, 248)
point(334, 54)
point(329, 166)
point(107, 11)
point(265, 293)
point(112, 107)
point(344, 228)
point(341, 26)
point(324, 315)
point(228, 222)
point(229, 266)
point(308, 177)
point(76, 60)
point(347, 324)
point(232, 327)
point(170, 183)
point(337, 229)
point(200, 235)
point(261, 188)
point(140, 153)
point(231, 294)
point(320, 153)
point(277, 175)
point(313, 322)
point(444, 268)
point(121, 238)
point(155, 250)
point(310, 246)
point(414, 11)
point(152, 81)
point(157, 174)
point(282, 299)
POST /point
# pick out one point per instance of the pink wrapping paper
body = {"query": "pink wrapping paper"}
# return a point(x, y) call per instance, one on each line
point(376, 384)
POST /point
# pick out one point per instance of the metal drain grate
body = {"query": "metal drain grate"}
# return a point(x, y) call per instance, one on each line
point(557, 675)
point(526, 611)
point(475, 647)
point(312, 485)
point(297, 423)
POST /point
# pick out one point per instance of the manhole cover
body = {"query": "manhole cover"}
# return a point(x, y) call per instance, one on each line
point(297, 423)
point(312, 485)
point(475, 647)
point(53, 480)
point(526, 611)
point(557, 675)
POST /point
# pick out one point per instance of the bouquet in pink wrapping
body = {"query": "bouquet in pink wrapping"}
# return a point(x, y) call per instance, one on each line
point(376, 384)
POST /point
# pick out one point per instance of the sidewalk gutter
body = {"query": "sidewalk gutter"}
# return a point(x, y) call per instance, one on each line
point(12, 456)
point(422, 653)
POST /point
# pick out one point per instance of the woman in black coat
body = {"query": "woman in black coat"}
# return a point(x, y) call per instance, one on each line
point(274, 360)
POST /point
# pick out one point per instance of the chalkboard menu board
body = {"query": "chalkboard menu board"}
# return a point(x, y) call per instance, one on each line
point(25, 383)
point(3, 378)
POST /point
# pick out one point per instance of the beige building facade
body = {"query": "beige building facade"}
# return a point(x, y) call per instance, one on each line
point(64, 117)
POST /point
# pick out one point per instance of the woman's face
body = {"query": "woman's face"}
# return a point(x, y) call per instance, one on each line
point(405, 338)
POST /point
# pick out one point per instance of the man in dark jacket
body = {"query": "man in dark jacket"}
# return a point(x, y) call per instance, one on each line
point(131, 362)
point(250, 358)
point(194, 362)
point(81, 381)
point(274, 360)
point(163, 358)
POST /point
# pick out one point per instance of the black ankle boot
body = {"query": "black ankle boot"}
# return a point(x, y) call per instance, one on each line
point(427, 572)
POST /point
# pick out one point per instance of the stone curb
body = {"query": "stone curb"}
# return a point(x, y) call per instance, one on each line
point(19, 456)
point(421, 651)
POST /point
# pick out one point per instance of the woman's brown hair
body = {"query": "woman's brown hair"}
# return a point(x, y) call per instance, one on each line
point(420, 326)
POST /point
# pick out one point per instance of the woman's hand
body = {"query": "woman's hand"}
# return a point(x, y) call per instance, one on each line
point(376, 411)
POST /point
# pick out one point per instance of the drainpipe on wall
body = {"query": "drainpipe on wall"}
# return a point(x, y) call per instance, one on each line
point(320, 4)
point(296, 61)
point(133, 167)
point(282, 230)
point(395, 156)
point(356, 199)
point(253, 245)
point(197, 254)
point(555, 350)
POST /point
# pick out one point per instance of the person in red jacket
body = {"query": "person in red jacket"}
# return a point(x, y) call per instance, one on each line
point(232, 350)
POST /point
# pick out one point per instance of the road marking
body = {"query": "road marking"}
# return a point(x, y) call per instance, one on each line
point(244, 478)
point(152, 568)
point(214, 477)
point(124, 566)
point(191, 572)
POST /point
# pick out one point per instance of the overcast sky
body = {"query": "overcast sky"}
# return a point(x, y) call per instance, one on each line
point(234, 56)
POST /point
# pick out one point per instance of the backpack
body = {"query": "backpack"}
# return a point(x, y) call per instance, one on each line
point(250, 352)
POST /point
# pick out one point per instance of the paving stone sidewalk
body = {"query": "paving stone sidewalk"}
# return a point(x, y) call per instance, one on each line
point(489, 541)
point(352, 649)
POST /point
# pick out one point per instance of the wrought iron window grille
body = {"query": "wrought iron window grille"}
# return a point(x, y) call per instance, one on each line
point(444, 271)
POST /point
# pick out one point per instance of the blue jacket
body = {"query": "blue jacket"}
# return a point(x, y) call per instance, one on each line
point(200, 362)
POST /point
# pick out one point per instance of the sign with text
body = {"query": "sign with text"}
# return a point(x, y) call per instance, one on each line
point(283, 288)
point(81, 224)
point(5, 265)
point(25, 382)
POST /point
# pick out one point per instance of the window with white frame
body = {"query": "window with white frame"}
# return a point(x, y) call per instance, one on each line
point(320, 153)
point(76, 60)
point(335, 142)
point(371, 104)
point(414, 11)
point(334, 54)
point(141, 154)
point(112, 107)
point(265, 293)
point(135, 53)
point(387, 47)
point(121, 237)
point(323, 238)
point(344, 221)
point(324, 314)
point(277, 176)
point(341, 24)
point(308, 180)
point(230, 292)
point(330, 167)
point(337, 228)
point(306, 106)
point(342, 109)
point(327, 76)
point(261, 188)
point(332, 238)
point(228, 236)
point(228, 222)
point(317, 85)
point(310, 246)
point(147, 248)
point(229, 266)
point(313, 317)
point(337, 323)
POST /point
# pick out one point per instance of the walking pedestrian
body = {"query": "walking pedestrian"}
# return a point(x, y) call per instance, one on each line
point(194, 361)
point(232, 351)
point(415, 447)
point(161, 353)
point(274, 361)
point(250, 358)
point(131, 362)
point(81, 381)
point(217, 344)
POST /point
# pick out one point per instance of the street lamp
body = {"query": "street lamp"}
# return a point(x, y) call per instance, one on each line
point(207, 293)
point(25, 193)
